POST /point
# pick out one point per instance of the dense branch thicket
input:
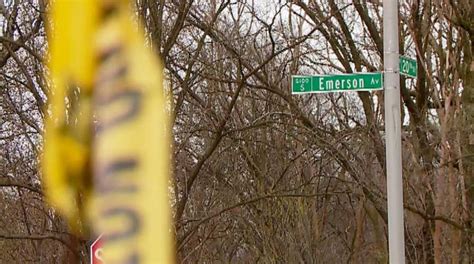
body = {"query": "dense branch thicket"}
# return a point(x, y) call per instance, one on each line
point(261, 175)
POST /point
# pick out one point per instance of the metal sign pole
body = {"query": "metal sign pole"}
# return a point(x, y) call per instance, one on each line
point(393, 133)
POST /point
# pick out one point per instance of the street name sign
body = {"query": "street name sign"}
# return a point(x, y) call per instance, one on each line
point(408, 67)
point(336, 83)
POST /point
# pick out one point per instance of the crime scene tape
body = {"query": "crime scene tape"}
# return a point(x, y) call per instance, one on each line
point(117, 148)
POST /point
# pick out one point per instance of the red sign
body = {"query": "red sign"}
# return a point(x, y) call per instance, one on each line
point(96, 251)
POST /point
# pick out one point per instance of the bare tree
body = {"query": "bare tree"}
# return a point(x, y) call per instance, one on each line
point(261, 175)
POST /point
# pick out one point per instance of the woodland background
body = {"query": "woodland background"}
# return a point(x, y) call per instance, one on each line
point(260, 175)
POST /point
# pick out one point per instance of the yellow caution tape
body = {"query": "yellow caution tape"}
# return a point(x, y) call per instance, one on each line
point(68, 127)
point(120, 132)
point(131, 148)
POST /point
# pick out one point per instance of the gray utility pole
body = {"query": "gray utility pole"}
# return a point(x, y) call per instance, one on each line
point(396, 235)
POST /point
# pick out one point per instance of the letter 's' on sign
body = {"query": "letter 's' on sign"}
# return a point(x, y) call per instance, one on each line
point(96, 251)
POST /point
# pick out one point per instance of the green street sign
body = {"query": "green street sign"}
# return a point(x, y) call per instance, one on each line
point(336, 83)
point(408, 67)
